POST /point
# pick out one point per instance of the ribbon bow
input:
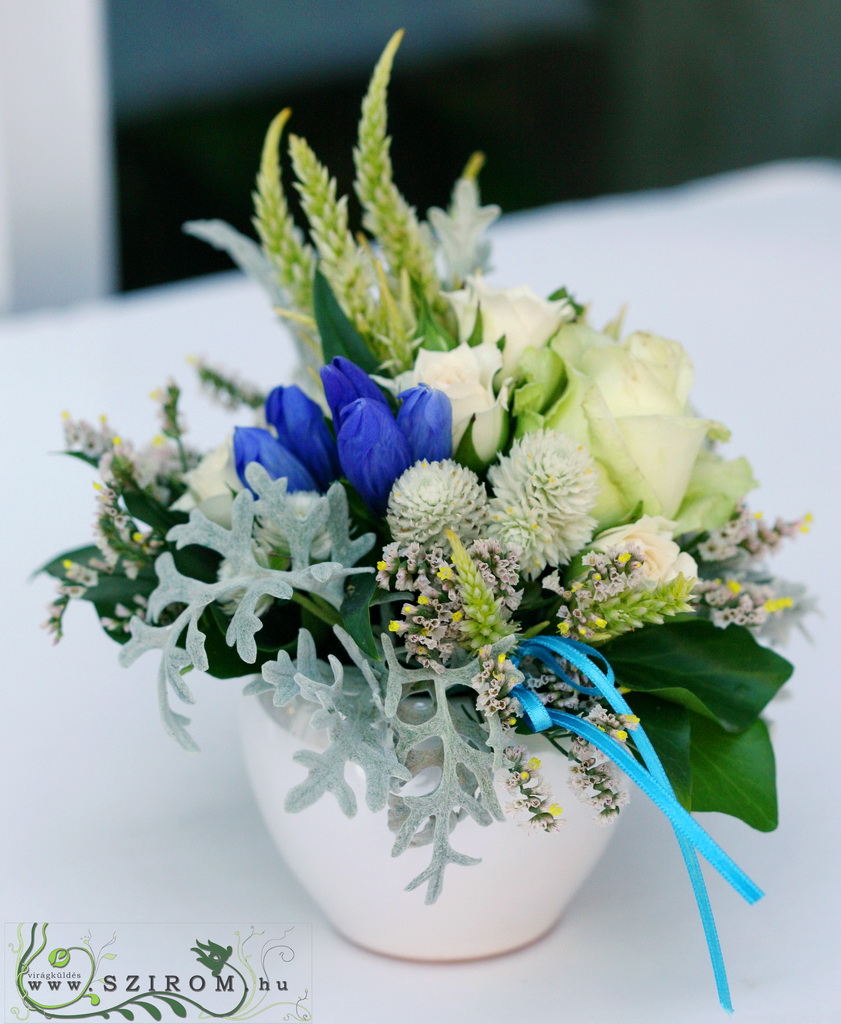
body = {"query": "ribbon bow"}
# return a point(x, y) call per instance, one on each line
point(651, 779)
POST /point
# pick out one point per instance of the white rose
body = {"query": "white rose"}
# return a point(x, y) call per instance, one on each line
point(517, 314)
point(465, 375)
point(211, 486)
point(664, 561)
point(628, 403)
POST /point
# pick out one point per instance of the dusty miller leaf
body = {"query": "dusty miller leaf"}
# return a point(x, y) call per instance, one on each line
point(246, 581)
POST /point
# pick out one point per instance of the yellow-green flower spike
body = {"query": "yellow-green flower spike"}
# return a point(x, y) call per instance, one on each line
point(483, 621)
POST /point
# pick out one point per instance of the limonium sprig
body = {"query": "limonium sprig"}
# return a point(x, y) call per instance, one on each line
point(613, 596)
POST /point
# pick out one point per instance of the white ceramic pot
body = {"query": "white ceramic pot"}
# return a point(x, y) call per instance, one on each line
point(346, 864)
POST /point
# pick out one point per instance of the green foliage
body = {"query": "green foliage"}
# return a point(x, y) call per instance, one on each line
point(563, 293)
point(338, 335)
point(723, 674)
point(356, 613)
point(699, 691)
point(711, 768)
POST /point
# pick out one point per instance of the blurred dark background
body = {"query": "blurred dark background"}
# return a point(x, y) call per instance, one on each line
point(568, 99)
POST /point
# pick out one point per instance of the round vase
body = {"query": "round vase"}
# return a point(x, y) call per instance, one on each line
point(346, 865)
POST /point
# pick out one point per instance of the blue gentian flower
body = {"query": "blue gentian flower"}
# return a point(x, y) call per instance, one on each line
point(253, 444)
point(426, 420)
point(344, 382)
point(372, 451)
point(301, 429)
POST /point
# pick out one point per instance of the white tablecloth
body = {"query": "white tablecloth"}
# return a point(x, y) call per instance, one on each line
point(104, 818)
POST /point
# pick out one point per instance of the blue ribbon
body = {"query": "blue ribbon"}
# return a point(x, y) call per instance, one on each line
point(651, 779)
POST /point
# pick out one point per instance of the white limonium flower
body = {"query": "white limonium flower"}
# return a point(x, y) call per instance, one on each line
point(544, 491)
point(517, 314)
point(465, 375)
point(664, 561)
point(431, 497)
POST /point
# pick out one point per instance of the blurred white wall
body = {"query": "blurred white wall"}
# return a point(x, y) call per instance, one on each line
point(56, 203)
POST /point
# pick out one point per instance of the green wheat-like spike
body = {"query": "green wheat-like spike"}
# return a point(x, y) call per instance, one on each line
point(483, 623)
point(388, 216)
point(632, 609)
point(343, 263)
point(292, 258)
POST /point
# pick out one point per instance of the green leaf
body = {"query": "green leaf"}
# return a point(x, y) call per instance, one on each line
point(223, 661)
point(667, 726)
point(145, 508)
point(734, 773)
point(723, 674)
point(150, 1008)
point(562, 293)
point(55, 567)
point(338, 335)
point(196, 561)
point(110, 956)
point(113, 588)
point(356, 612)
point(89, 459)
point(466, 454)
point(177, 1008)
point(126, 1013)
point(435, 337)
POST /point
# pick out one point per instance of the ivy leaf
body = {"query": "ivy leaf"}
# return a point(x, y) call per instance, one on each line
point(356, 612)
point(667, 726)
point(338, 335)
point(722, 674)
point(734, 773)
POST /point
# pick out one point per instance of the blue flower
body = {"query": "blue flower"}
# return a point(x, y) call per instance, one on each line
point(344, 382)
point(301, 429)
point(372, 450)
point(426, 420)
point(253, 444)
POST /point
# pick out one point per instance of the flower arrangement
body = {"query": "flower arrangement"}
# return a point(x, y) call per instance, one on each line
point(470, 493)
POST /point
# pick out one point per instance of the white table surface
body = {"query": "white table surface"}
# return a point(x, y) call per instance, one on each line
point(104, 818)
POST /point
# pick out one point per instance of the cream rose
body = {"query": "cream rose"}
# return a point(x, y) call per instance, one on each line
point(628, 402)
point(664, 561)
point(211, 486)
point(465, 375)
point(518, 315)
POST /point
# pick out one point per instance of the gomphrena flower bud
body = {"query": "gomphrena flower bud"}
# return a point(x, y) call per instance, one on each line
point(300, 427)
point(432, 497)
point(544, 491)
point(253, 444)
